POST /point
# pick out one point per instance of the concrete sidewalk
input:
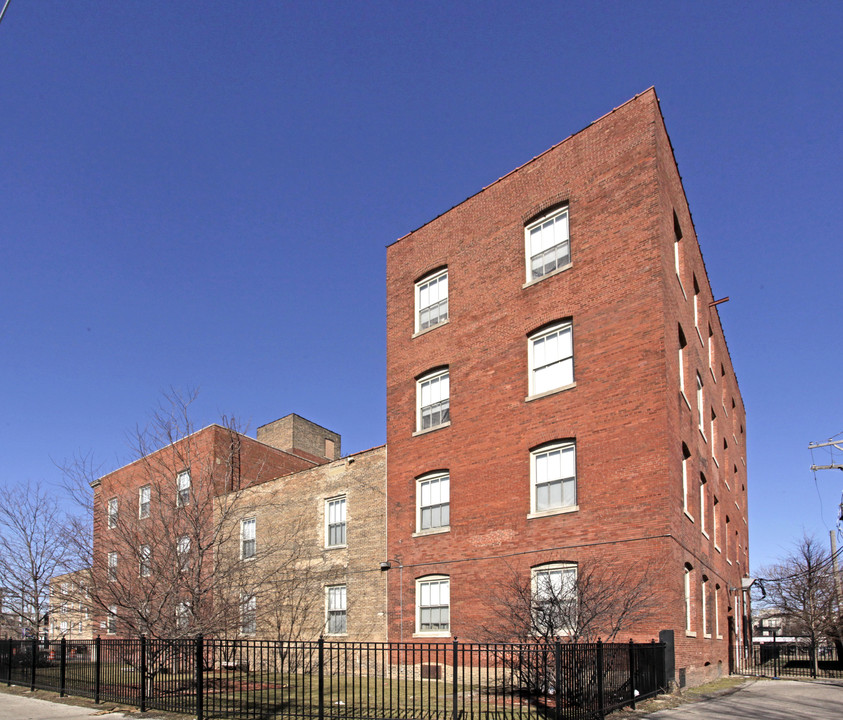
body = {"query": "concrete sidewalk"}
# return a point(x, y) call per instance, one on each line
point(20, 707)
point(767, 700)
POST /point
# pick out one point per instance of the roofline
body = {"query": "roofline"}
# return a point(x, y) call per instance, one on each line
point(97, 481)
point(531, 160)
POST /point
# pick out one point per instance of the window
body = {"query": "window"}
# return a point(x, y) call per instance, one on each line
point(111, 620)
point(183, 552)
point(143, 501)
point(551, 359)
point(717, 611)
point(553, 471)
point(688, 626)
point(432, 300)
point(548, 244)
point(700, 403)
point(433, 394)
point(335, 522)
point(712, 427)
point(63, 627)
point(112, 512)
point(702, 504)
point(682, 345)
point(112, 567)
point(711, 353)
point(433, 605)
point(145, 555)
point(686, 458)
point(248, 538)
point(697, 308)
point(677, 249)
point(704, 606)
point(715, 512)
point(433, 494)
point(336, 616)
point(554, 599)
point(248, 614)
point(182, 615)
point(183, 488)
point(726, 540)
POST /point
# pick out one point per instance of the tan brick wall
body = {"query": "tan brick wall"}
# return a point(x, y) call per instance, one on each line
point(71, 604)
point(292, 565)
point(295, 434)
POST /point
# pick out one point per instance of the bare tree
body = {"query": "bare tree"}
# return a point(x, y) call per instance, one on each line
point(581, 603)
point(173, 557)
point(800, 589)
point(33, 548)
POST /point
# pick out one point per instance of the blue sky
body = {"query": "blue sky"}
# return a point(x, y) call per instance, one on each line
point(199, 195)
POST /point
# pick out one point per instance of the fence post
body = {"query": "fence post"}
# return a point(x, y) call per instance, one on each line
point(62, 665)
point(632, 673)
point(9, 667)
point(143, 673)
point(667, 667)
point(557, 684)
point(200, 669)
point(321, 660)
point(600, 702)
point(97, 668)
point(454, 692)
point(32, 664)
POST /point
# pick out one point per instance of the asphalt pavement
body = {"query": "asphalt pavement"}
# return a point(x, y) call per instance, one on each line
point(766, 700)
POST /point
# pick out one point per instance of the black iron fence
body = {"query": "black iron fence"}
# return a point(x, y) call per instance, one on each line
point(244, 679)
point(791, 659)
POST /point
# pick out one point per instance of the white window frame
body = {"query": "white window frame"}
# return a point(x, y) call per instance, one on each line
point(714, 519)
point(248, 613)
point(112, 566)
point(689, 628)
point(553, 217)
point(701, 405)
point(144, 558)
point(336, 608)
point(111, 620)
point(703, 485)
point(563, 447)
point(704, 588)
point(441, 481)
point(563, 569)
point(435, 282)
point(686, 458)
point(144, 500)
point(112, 512)
point(564, 359)
point(183, 552)
point(183, 615)
point(340, 501)
point(248, 534)
point(436, 380)
point(717, 612)
point(440, 582)
point(183, 488)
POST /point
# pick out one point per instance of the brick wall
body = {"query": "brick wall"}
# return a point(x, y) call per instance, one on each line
point(620, 184)
point(293, 566)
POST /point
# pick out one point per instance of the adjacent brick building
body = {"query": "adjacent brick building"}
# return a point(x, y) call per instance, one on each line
point(560, 396)
point(70, 606)
point(221, 533)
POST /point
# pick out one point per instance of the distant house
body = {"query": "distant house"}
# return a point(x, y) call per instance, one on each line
point(70, 606)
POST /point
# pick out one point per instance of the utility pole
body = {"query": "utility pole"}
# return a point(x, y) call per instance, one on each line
point(835, 568)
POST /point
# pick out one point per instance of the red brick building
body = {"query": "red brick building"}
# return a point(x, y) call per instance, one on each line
point(560, 396)
point(162, 523)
